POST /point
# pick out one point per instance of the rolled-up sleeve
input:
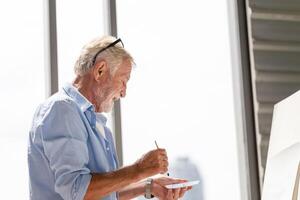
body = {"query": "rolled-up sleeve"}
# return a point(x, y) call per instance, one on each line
point(64, 140)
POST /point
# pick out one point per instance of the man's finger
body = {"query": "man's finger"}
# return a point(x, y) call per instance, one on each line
point(176, 193)
point(170, 195)
point(162, 152)
point(182, 191)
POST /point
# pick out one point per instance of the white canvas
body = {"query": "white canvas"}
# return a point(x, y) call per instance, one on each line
point(281, 182)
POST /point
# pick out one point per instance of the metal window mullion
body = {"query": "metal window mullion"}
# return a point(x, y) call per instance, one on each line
point(244, 107)
point(51, 67)
point(111, 29)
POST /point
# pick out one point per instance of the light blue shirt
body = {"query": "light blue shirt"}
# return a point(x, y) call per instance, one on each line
point(65, 147)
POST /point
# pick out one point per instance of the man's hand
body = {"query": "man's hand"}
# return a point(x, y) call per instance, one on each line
point(153, 162)
point(163, 193)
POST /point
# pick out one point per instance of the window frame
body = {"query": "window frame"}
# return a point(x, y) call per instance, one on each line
point(244, 105)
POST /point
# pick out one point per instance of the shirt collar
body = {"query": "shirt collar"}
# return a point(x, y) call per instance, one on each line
point(82, 102)
point(101, 118)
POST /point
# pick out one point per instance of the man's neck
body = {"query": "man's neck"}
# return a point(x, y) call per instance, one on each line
point(85, 87)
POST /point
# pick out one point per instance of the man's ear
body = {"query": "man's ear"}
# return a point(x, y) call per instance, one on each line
point(99, 69)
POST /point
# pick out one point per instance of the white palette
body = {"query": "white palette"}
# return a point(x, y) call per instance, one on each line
point(180, 185)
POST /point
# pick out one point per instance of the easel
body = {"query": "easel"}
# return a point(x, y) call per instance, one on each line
point(296, 186)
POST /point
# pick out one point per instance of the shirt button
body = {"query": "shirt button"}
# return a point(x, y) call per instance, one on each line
point(107, 148)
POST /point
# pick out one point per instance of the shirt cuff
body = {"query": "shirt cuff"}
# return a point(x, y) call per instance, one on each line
point(83, 186)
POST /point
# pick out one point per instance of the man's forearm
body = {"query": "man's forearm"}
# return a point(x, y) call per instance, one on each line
point(103, 184)
point(132, 191)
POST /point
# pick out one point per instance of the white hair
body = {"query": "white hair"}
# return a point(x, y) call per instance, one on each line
point(114, 55)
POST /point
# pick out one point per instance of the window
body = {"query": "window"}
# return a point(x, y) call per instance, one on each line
point(22, 89)
point(78, 22)
point(180, 94)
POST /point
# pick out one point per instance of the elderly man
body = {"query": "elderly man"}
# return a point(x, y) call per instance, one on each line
point(71, 153)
